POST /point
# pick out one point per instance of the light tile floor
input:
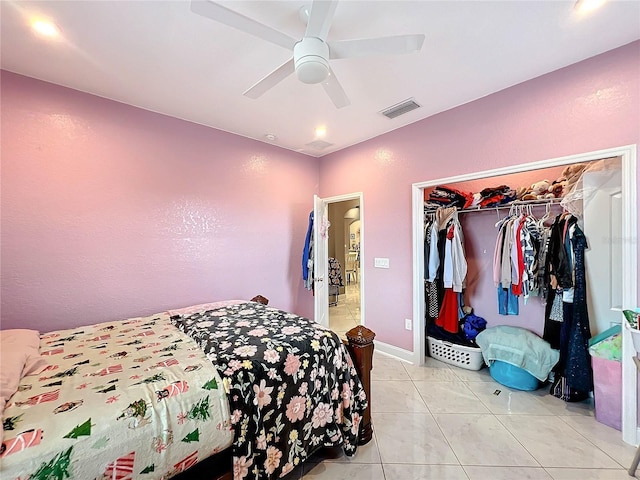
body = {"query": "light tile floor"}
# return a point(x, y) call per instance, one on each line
point(346, 315)
point(441, 422)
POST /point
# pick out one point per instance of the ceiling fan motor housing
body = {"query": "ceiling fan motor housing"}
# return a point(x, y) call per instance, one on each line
point(311, 60)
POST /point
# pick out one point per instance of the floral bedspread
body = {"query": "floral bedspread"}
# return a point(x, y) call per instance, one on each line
point(119, 400)
point(292, 385)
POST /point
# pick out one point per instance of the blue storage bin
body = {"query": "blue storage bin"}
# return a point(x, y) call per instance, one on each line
point(512, 376)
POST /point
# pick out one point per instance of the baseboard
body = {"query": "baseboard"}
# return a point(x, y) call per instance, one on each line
point(393, 351)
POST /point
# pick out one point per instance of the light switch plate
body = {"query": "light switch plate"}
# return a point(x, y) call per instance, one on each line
point(381, 262)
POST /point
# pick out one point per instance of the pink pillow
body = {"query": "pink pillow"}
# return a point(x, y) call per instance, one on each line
point(203, 307)
point(19, 356)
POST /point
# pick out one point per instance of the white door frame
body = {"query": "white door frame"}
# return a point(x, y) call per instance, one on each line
point(361, 274)
point(628, 154)
point(320, 262)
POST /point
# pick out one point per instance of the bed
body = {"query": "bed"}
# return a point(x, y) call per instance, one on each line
point(236, 389)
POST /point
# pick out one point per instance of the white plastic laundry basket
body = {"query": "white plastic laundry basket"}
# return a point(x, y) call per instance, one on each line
point(458, 355)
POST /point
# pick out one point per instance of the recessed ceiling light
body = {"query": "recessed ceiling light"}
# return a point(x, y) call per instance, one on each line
point(321, 131)
point(584, 6)
point(44, 28)
point(270, 136)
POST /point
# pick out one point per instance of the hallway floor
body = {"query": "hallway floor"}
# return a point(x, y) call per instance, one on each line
point(441, 422)
point(346, 315)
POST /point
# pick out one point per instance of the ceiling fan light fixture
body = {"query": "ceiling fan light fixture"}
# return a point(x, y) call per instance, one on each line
point(585, 6)
point(312, 70)
point(45, 28)
point(311, 60)
point(312, 53)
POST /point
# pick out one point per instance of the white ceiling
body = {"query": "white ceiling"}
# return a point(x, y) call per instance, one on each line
point(160, 56)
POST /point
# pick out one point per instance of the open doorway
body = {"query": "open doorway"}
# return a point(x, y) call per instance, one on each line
point(344, 248)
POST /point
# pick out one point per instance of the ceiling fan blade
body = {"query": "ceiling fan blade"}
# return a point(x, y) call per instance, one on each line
point(395, 45)
point(219, 13)
point(335, 91)
point(320, 18)
point(271, 80)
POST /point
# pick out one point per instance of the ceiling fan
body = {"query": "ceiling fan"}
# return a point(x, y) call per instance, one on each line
point(312, 53)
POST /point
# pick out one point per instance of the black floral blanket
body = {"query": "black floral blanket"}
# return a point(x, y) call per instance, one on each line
point(292, 385)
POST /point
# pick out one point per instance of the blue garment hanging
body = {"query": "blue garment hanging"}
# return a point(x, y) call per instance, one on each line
point(507, 301)
point(307, 250)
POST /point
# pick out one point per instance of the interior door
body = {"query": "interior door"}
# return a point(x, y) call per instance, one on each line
point(320, 261)
point(603, 224)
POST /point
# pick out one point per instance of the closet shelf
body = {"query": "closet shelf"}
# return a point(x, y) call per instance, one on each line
point(516, 203)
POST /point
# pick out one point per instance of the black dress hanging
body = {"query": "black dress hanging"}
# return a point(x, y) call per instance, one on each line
point(566, 269)
point(578, 366)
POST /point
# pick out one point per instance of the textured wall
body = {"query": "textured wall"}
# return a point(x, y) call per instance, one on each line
point(109, 211)
point(589, 106)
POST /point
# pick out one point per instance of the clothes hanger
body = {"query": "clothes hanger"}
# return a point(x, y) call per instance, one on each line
point(502, 221)
point(546, 216)
point(566, 215)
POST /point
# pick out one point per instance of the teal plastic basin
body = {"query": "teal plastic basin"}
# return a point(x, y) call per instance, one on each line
point(512, 376)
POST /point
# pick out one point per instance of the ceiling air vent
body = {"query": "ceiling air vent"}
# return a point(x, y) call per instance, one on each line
point(400, 109)
point(319, 144)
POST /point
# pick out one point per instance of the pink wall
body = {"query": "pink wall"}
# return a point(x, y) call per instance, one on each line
point(109, 211)
point(589, 106)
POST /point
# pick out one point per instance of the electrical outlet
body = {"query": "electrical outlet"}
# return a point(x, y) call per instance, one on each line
point(407, 323)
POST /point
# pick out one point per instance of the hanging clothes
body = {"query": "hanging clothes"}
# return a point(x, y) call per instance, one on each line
point(455, 263)
point(430, 287)
point(559, 273)
point(434, 264)
point(446, 269)
point(515, 261)
point(503, 267)
point(307, 256)
point(335, 273)
point(566, 284)
point(541, 274)
point(448, 315)
point(578, 369)
point(334, 276)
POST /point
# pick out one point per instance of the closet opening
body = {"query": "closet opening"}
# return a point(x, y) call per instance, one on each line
point(609, 223)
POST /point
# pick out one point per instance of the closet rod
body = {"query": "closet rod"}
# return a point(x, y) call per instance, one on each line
point(516, 203)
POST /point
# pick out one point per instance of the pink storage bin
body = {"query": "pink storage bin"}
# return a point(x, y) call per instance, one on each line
point(607, 391)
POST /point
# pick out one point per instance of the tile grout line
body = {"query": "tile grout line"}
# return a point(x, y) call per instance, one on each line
point(560, 417)
point(436, 422)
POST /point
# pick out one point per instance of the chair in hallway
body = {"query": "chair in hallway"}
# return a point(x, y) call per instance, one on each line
point(352, 267)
